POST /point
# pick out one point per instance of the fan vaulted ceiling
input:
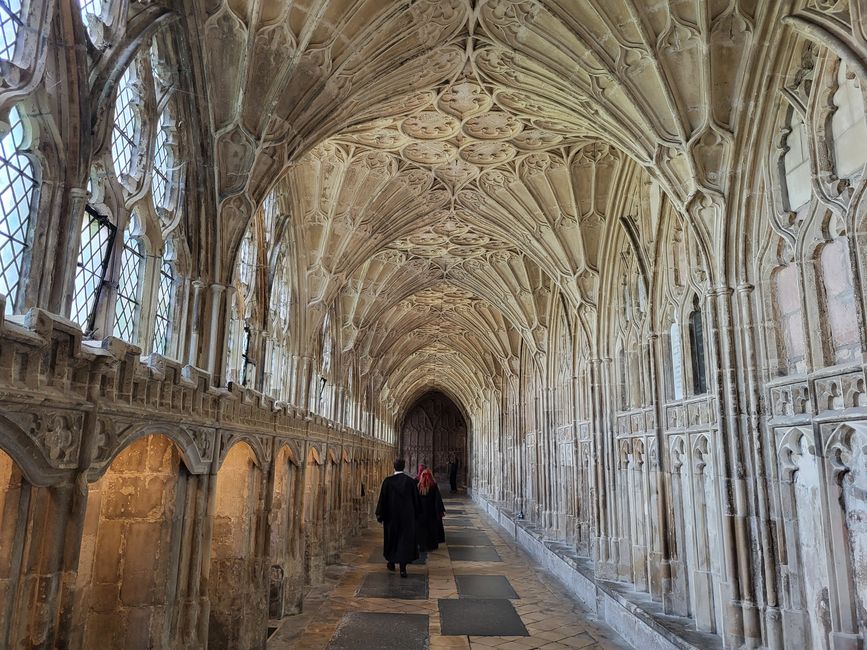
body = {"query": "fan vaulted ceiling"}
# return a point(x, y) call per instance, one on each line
point(447, 169)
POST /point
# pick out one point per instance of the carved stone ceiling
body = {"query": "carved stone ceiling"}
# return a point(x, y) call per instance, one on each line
point(448, 167)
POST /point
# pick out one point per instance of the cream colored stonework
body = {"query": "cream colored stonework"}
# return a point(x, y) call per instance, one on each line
point(625, 237)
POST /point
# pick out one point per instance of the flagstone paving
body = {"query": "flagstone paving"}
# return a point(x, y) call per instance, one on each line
point(513, 595)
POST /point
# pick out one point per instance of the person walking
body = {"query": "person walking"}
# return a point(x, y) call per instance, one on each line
point(397, 509)
point(453, 473)
point(429, 523)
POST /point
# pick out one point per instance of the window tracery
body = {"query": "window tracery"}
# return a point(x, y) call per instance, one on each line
point(18, 193)
point(787, 298)
point(97, 239)
point(839, 295)
point(129, 287)
point(160, 184)
point(849, 124)
point(126, 133)
point(10, 23)
point(796, 162)
point(165, 300)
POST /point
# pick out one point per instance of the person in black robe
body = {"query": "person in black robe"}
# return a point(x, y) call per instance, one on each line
point(453, 473)
point(429, 523)
point(396, 510)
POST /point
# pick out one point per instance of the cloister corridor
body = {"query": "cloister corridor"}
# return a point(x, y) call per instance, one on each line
point(599, 264)
point(480, 590)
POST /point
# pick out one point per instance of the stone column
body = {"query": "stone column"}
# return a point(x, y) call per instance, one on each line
point(69, 247)
point(735, 534)
point(195, 323)
point(215, 334)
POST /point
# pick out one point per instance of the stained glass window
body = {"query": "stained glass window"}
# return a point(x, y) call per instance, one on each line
point(165, 292)
point(126, 310)
point(127, 123)
point(10, 22)
point(17, 194)
point(97, 236)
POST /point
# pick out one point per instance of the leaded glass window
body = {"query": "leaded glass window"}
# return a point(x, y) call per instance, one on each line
point(161, 187)
point(17, 194)
point(97, 236)
point(245, 356)
point(92, 16)
point(128, 304)
point(10, 23)
point(127, 123)
point(162, 326)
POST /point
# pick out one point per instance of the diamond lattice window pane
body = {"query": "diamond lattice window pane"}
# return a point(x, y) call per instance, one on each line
point(10, 22)
point(128, 289)
point(96, 236)
point(17, 193)
point(91, 16)
point(162, 160)
point(164, 307)
point(127, 125)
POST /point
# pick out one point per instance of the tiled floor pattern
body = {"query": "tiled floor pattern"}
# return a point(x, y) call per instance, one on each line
point(347, 611)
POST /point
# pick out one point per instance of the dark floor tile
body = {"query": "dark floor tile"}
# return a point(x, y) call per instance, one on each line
point(473, 586)
point(376, 557)
point(460, 521)
point(368, 630)
point(391, 585)
point(468, 537)
point(474, 554)
point(479, 617)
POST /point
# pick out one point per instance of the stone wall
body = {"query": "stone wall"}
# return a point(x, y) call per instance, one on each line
point(143, 507)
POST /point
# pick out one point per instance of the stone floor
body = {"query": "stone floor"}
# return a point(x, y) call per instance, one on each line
point(450, 603)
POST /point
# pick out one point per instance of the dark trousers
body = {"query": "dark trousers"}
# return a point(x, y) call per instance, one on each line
point(453, 482)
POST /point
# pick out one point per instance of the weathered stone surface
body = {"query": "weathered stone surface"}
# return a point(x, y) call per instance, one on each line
point(625, 238)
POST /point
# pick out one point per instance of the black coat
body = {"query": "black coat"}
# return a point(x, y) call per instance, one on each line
point(397, 509)
point(429, 523)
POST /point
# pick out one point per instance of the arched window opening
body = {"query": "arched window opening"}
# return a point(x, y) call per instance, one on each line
point(849, 124)
point(840, 300)
point(126, 133)
point(796, 161)
point(165, 300)
point(789, 317)
point(18, 185)
point(696, 343)
point(128, 301)
point(97, 241)
point(10, 23)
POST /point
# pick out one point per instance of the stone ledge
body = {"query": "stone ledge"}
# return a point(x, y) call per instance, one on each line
point(633, 615)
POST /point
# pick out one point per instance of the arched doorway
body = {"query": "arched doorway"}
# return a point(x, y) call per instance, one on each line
point(433, 429)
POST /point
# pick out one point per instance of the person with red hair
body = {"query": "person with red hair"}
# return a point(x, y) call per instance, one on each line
point(430, 532)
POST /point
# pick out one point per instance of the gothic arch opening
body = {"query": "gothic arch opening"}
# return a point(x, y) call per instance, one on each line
point(128, 574)
point(434, 428)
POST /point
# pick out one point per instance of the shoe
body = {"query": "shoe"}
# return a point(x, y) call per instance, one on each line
point(403, 574)
point(390, 566)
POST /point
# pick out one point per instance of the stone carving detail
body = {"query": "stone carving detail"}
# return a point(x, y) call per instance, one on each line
point(56, 434)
